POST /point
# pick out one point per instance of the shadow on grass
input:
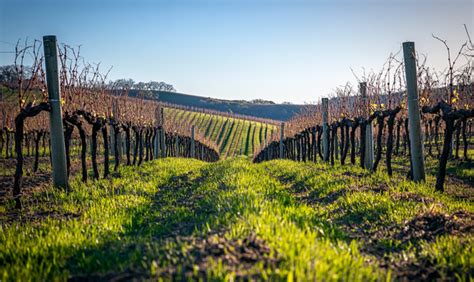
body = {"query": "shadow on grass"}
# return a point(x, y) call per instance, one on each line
point(179, 208)
point(457, 171)
point(305, 193)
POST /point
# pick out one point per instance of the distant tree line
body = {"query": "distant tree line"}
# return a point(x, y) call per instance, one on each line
point(262, 101)
point(9, 76)
point(128, 83)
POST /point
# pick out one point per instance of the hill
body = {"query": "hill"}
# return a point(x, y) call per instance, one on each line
point(281, 112)
point(234, 136)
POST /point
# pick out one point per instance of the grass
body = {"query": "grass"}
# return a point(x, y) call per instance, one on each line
point(211, 126)
point(182, 218)
point(462, 170)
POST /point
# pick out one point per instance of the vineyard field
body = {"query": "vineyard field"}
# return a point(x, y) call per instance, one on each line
point(233, 136)
point(108, 172)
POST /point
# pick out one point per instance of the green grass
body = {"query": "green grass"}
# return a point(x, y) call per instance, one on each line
point(233, 141)
point(211, 126)
point(315, 220)
point(228, 134)
point(463, 170)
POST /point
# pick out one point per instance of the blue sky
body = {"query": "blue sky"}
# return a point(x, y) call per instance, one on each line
point(295, 51)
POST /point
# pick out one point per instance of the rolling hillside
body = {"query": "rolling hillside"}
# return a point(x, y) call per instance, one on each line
point(281, 112)
point(234, 136)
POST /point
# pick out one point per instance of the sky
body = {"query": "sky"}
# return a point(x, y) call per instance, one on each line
point(293, 51)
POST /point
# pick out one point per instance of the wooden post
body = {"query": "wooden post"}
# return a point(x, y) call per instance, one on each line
point(325, 108)
point(192, 142)
point(162, 134)
point(416, 144)
point(300, 144)
point(314, 149)
point(4, 119)
point(282, 136)
point(176, 147)
point(369, 134)
point(369, 147)
point(123, 145)
point(265, 155)
point(156, 143)
point(111, 128)
point(111, 139)
point(4, 125)
point(58, 149)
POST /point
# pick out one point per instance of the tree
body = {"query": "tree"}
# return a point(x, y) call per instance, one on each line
point(122, 83)
point(128, 83)
point(9, 76)
point(160, 86)
point(262, 101)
